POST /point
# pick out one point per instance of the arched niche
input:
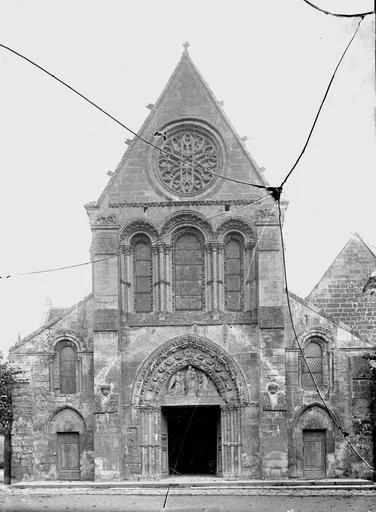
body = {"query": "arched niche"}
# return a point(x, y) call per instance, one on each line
point(310, 421)
point(67, 420)
point(177, 355)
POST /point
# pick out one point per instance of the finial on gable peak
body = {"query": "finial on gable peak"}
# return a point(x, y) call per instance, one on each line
point(186, 45)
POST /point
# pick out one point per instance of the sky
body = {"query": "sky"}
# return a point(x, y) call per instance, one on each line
point(268, 61)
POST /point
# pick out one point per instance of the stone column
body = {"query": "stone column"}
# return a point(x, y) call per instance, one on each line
point(125, 279)
point(161, 264)
point(156, 279)
point(221, 277)
point(208, 277)
point(168, 278)
point(249, 277)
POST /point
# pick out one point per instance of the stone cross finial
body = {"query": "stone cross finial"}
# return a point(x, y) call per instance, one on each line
point(186, 45)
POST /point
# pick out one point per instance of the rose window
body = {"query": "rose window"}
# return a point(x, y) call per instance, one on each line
point(189, 161)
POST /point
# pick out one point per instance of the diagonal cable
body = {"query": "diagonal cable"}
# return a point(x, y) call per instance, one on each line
point(328, 410)
point(321, 105)
point(113, 118)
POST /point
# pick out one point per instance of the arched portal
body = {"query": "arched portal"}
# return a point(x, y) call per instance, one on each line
point(187, 385)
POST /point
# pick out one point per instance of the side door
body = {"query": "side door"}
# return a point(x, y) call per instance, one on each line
point(68, 455)
point(314, 453)
point(164, 445)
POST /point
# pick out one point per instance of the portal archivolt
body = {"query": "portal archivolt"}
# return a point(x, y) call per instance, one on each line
point(189, 366)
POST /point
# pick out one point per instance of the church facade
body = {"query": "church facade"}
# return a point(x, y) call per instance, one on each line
point(182, 360)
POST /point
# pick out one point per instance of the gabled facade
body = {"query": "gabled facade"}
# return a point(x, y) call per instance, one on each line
point(182, 358)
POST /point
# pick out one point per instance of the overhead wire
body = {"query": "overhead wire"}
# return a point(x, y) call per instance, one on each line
point(321, 105)
point(259, 238)
point(113, 118)
point(338, 14)
point(55, 269)
point(326, 407)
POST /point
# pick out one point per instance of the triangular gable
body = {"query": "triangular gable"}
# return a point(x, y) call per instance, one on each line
point(186, 96)
point(339, 293)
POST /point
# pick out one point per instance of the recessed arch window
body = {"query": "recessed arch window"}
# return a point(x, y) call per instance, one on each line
point(188, 269)
point(142, 274)
point(66, 367)
point(314, 357)
point(233, 273)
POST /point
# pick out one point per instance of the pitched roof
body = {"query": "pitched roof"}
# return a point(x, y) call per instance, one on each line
point(186, 94)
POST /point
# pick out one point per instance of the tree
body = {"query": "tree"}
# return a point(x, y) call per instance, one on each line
point(8, 378)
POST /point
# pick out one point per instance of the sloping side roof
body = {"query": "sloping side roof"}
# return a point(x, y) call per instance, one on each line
point(339, 291)
point(302, 309)
point(186, 95)
point(51, 322)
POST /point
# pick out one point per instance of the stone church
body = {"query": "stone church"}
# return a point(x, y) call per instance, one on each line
point(182, 360)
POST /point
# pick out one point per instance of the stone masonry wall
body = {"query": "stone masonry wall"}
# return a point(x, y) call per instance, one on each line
point(37, 404)
point(339, 292)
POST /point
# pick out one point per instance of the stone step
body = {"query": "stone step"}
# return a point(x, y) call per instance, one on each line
point(198, 483)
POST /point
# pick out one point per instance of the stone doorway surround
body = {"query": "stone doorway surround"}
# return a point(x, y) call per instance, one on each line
point(188, 371)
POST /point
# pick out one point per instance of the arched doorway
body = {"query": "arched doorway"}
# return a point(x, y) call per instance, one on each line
point(189, 396)
point(67, 431)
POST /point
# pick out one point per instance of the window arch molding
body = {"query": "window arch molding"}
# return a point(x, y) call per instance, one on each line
point(321, 339)
point(138, 227)
point(187, 218)
point(238, 225)
point(57, 364)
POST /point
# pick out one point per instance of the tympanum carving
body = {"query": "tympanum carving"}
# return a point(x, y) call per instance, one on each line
point(189, 366)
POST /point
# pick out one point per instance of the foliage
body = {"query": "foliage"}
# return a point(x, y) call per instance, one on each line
point(8, 378)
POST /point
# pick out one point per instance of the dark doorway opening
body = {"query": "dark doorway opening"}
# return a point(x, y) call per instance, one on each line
point(193, 439)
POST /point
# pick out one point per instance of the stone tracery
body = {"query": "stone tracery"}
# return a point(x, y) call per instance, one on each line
point(195, 174)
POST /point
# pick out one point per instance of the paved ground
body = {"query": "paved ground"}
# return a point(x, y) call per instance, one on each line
point(117, 503)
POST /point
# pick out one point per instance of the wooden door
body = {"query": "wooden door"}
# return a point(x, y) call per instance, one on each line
point(68, 455)
point(164, 445)
point(314, 453)
point(219, 446)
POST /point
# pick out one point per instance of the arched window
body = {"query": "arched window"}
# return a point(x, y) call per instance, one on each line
point(142, 274)
point(66, 366)
point(233, 274)
point(314, 357)
point(189, 264)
